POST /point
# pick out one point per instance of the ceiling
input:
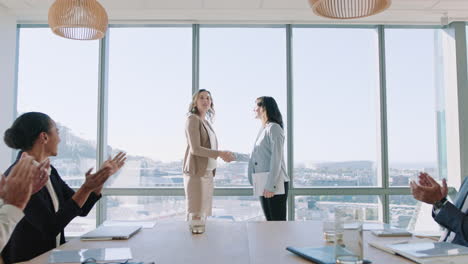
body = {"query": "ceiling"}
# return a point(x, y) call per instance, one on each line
point(246, 11)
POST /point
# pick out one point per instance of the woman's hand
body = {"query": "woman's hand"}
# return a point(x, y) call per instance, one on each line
point(268, 194)
point(227, 156)
point(116, 163)
point(17, 188)
point(41, 177)
point(95, 181)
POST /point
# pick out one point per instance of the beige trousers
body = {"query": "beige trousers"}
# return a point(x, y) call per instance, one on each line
point(199, 193)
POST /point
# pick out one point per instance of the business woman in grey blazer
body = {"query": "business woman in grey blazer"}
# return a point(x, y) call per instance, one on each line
point(268, 156)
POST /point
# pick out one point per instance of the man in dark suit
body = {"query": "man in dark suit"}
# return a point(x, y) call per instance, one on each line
point(451, 216)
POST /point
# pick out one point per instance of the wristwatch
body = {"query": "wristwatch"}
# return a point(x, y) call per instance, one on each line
point(439, 204)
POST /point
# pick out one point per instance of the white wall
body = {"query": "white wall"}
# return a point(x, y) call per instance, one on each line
point(7, 80)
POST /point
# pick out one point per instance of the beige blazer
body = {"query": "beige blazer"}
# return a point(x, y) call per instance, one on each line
point(198, 147)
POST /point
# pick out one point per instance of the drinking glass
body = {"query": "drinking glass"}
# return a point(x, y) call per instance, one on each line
point(197, 222)
point(332, 230)
point(349, 248)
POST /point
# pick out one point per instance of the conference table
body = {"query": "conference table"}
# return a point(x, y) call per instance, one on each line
point(226, 243)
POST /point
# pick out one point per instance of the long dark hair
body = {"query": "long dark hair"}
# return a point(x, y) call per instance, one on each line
point(193, 105)
point(26, 129)
point(271, 108)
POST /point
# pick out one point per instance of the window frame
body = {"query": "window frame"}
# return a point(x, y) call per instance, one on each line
point(383, 191)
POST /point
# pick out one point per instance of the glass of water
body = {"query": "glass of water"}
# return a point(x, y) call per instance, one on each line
point(197, 222)
point(332, 230)
point(350, 248)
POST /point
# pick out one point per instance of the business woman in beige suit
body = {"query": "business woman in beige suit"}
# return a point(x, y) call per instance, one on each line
point(201, 154)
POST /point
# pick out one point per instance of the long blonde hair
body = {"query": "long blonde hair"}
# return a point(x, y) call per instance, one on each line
point(193, 105)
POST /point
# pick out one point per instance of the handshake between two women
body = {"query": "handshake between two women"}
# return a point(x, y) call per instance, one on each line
point(227, 156)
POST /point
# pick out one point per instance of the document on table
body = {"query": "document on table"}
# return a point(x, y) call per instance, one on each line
point(426, 251)
point(98, 254)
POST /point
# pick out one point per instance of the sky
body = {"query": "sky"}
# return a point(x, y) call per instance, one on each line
point(335, 78)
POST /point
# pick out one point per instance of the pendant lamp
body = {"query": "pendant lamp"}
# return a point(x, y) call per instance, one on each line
point(78, 19)
point(348, 9)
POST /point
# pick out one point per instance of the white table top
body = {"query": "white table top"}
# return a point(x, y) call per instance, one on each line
point(226, 242)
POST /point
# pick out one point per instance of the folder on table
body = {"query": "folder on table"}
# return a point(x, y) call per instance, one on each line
point(321, 255)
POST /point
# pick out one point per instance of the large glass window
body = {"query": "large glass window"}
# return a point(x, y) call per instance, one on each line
point(59, 77)
point(162, 208)
point(406, 212)
point(313, 207)
point(238, 65)
point(335, 107)
point(403, 211)
point(413, 79)
point(150, 82)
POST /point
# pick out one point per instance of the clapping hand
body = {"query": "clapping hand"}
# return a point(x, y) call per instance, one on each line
point(227, 156)
point(428, 190)
point(17, 188)
point(41, 177)
point(116, 163)
point(95, 181)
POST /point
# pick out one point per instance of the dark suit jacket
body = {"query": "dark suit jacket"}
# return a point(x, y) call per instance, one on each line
point(451, 216)
point(36, 233)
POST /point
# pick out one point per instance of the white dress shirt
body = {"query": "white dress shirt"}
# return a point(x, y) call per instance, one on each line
point(9, 216)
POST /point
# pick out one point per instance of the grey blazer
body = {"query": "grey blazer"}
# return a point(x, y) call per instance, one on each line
point(451, 216)
point(267, 156)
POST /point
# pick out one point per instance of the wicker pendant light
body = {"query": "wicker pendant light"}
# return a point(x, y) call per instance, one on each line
point(348, 9)
point(78, 19)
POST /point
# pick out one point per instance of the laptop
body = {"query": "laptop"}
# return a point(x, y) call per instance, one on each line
point(111, 233)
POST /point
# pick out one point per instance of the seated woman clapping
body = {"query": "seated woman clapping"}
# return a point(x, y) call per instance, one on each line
point(53, 207)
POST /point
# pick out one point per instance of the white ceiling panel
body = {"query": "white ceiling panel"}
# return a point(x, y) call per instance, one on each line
point(39, 3)
point(122, 4)
point(413, 4)
point(245, 11)
point(145, 4)
point(452, 4)
point(14, 4)
point(232, 4)
point(178, 4)
point(286, 4)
